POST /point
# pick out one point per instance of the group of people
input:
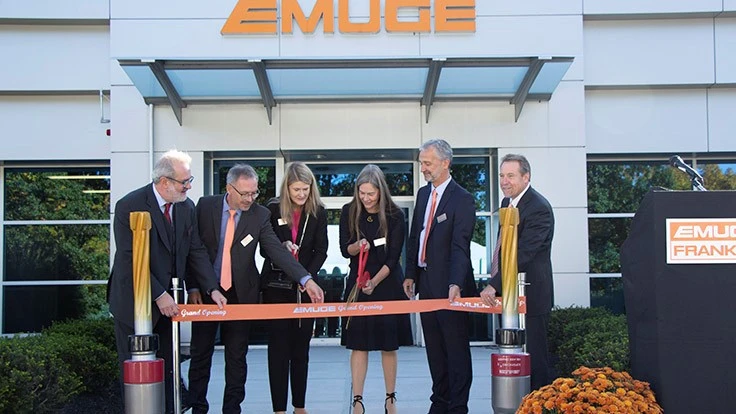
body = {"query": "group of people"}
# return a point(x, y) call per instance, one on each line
point(212, 246)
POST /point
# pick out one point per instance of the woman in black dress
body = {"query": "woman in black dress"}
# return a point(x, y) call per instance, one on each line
point(373, 220)
point(300, 221)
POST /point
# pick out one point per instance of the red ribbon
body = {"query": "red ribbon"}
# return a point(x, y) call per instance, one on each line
point(363, 275)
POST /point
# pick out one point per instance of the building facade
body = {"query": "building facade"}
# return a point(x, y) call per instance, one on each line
point(92, 92)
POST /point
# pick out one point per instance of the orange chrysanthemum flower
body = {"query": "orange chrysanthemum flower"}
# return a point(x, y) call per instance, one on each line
point(597, 390)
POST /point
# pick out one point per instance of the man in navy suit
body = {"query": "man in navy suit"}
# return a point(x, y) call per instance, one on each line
point(438, 266)
point(252, 227)
point(174, 247)
point(535, 232)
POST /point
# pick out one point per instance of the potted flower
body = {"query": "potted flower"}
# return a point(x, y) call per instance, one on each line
point(592, 390)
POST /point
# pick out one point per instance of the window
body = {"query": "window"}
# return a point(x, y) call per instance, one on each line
point(615, 189)
point(56, 234)
point(338, 180)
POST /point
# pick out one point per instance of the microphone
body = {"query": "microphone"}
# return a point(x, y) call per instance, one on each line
point(678, 163)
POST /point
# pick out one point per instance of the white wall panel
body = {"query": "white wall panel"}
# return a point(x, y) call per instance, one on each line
point(350, 126)
point(190, 39)
point(721, 120)
point(570, 244)
point(725, 33)
point(559, 174)
point(515, 36)
point(54, 58)
point(572, 289)
point(635, 121)
point(649, 52)
point(54, 9)
point(52, 128)
point(216, 128)
point(381, 44)
point(487, 124)
point(650, 6)
point(129, 120)
point(171, 9)
point(729, 5)
point(529, 7)
point(567, 115)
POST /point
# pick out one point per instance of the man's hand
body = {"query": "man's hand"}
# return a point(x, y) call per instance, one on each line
point(409, 288)
point(195, 298)
point(218, 298)
point(316, 295)
point(166, 305)
point(454, 293)
point(488, 296)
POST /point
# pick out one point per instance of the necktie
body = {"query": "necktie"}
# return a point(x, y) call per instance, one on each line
point(428, 227)
point(496, 258)
point(167, 214)
point(226, 271)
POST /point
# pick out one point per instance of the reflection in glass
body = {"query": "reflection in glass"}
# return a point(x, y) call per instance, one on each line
point(57, 194)
point(58, 252)
point(615, 187)
point(605, 237)
point(608, 292)
point(338, 180)
point(32, 308)
point(472, 174)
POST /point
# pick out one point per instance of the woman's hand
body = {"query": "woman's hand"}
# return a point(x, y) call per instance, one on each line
point(369, 287)
point(290, 246)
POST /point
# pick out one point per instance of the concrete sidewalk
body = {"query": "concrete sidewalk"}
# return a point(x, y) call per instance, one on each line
point(328, 389)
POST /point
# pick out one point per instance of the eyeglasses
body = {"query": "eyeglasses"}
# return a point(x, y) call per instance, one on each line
point(252, 195)
point(182, 182)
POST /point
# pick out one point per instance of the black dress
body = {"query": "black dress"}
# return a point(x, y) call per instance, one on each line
point(384, 332)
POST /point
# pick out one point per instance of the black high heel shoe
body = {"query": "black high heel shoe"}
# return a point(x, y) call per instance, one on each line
point(389, 396)
point(358, 399)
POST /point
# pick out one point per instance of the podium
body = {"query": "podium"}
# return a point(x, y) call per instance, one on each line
point(679, 273)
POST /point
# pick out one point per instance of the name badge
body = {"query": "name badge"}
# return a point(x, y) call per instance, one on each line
point(282, 222)
point(247, 239)
point(379, 242)
point(442, 218)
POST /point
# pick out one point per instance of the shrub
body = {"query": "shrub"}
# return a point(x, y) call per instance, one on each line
point(32, 379)
point(99, 330)
point(93, 362)
point(562, 317)
point(591, 337)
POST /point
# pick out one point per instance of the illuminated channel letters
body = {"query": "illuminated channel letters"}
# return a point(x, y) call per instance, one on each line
point(258, 17)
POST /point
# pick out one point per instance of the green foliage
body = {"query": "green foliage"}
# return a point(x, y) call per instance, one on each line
point(41, 373)
point(33, 379)
point(591, 337)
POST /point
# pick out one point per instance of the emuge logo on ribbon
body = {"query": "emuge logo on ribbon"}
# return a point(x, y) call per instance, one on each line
point(701, 240)
point(259, 17)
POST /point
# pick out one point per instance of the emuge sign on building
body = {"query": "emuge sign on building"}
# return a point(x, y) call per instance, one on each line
point(262, 17)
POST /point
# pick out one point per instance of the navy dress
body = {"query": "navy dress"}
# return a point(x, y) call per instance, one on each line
point(384, 332)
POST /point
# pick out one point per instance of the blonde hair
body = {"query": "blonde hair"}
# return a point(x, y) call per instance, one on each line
point(371, 174)
point(298, 172)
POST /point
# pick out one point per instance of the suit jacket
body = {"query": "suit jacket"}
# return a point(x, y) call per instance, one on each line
point(254, 223)
point(535, 231)
point(313, 247)
point(184, 252)
point(448, 245)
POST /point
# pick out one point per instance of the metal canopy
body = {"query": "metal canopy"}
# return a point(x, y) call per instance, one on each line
point(273, 81)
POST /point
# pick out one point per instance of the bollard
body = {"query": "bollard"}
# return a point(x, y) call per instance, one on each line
point(143, 377)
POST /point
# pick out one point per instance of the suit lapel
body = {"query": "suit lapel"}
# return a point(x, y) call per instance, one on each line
point(442, 204)
point(157, 217)
point(241, 229)
point(216, 216)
